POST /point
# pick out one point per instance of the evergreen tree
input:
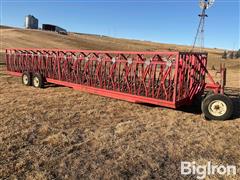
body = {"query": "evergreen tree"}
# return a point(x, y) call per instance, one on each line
point(231, 56)
point(224, 56)
point(237, 54)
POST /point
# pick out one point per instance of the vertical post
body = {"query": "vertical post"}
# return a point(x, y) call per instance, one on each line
point(176, 78)
point(223, 78)
point(6, 59)
point(58, 63)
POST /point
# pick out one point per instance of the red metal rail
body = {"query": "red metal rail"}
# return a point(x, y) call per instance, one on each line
point(164, 78)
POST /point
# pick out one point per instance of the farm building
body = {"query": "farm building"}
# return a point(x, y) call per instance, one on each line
point(50, 27)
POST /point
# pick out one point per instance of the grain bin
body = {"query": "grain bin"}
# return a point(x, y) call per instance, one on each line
point(31, 22)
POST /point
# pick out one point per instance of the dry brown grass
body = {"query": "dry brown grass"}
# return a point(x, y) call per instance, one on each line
point(59, 133)
point(23, 38)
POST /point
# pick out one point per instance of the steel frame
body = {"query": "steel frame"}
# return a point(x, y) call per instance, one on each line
point(169, 79)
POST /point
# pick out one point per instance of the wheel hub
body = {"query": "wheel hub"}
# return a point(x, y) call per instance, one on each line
point(217, 108)
point(36, 82)
point(25, 79)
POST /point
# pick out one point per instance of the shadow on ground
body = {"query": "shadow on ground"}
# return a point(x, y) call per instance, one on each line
point(233, 93)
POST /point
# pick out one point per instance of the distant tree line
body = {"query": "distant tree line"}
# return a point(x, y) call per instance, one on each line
point(231, 54)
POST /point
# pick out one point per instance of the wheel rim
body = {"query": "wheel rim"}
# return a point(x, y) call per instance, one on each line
point(217, 108)
point(36, 82)
point(25, 79)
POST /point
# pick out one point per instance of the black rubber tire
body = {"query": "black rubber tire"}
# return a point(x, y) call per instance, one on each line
point(40, 83)
point(217, 97)
point(209, 93)
point(28, 81)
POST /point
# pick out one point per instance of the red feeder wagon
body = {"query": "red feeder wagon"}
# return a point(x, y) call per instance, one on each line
point(169, 79)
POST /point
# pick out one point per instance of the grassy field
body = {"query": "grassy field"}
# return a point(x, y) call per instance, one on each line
point(59, 133)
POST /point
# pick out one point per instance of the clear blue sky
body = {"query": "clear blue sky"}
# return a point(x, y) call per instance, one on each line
point(166, 21)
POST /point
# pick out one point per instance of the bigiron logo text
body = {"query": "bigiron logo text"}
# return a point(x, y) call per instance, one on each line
point(201, 171)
